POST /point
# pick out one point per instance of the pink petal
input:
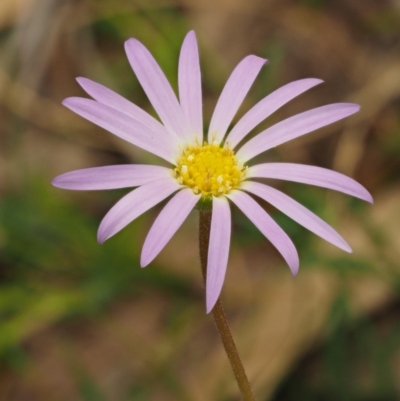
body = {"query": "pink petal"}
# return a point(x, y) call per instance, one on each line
point(259, 217)
point(294, 127)
point(134, 204)
point(232, 96)
point(110, 177)
point(167, 223)
point(265, 107)
point(157, 88)
point(114, 100)
point(297, 212)
point(218, 250)
point(123, 126)
point(190, 85)
point(321, 177)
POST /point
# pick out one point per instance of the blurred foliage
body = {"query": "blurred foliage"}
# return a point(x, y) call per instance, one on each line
point(79, 321)
point(52, 266)
point(356, 363)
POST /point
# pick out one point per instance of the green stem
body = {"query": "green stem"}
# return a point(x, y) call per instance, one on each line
point(219, 315)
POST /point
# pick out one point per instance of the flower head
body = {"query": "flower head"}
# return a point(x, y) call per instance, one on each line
point(216, 167)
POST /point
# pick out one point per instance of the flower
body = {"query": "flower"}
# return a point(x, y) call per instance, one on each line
point(216, 168)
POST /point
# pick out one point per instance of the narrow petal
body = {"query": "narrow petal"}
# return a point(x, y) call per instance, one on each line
point(297, 212)
point(134, 204)
point(218, 250)
point(114, 100)
point(265, 107)
point(318, 176)
point(190, 86)
point(296, 126)
point(167, 223)
point(157, 88)
point(232, 96)
point(259, 217)
point(123, 126)
point(110, 177)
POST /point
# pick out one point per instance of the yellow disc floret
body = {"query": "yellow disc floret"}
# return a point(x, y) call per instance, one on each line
point(209, 169)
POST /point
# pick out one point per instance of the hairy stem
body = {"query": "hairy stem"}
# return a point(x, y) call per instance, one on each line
point(219, 315)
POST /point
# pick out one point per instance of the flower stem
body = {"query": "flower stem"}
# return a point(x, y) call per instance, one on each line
point(219, 315)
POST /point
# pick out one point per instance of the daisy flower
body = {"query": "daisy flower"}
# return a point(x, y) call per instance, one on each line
point(213, 167)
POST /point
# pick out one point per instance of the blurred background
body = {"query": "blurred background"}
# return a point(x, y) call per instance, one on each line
point(79, 321)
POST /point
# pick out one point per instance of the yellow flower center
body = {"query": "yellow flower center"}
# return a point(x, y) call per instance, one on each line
point(209, 169)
